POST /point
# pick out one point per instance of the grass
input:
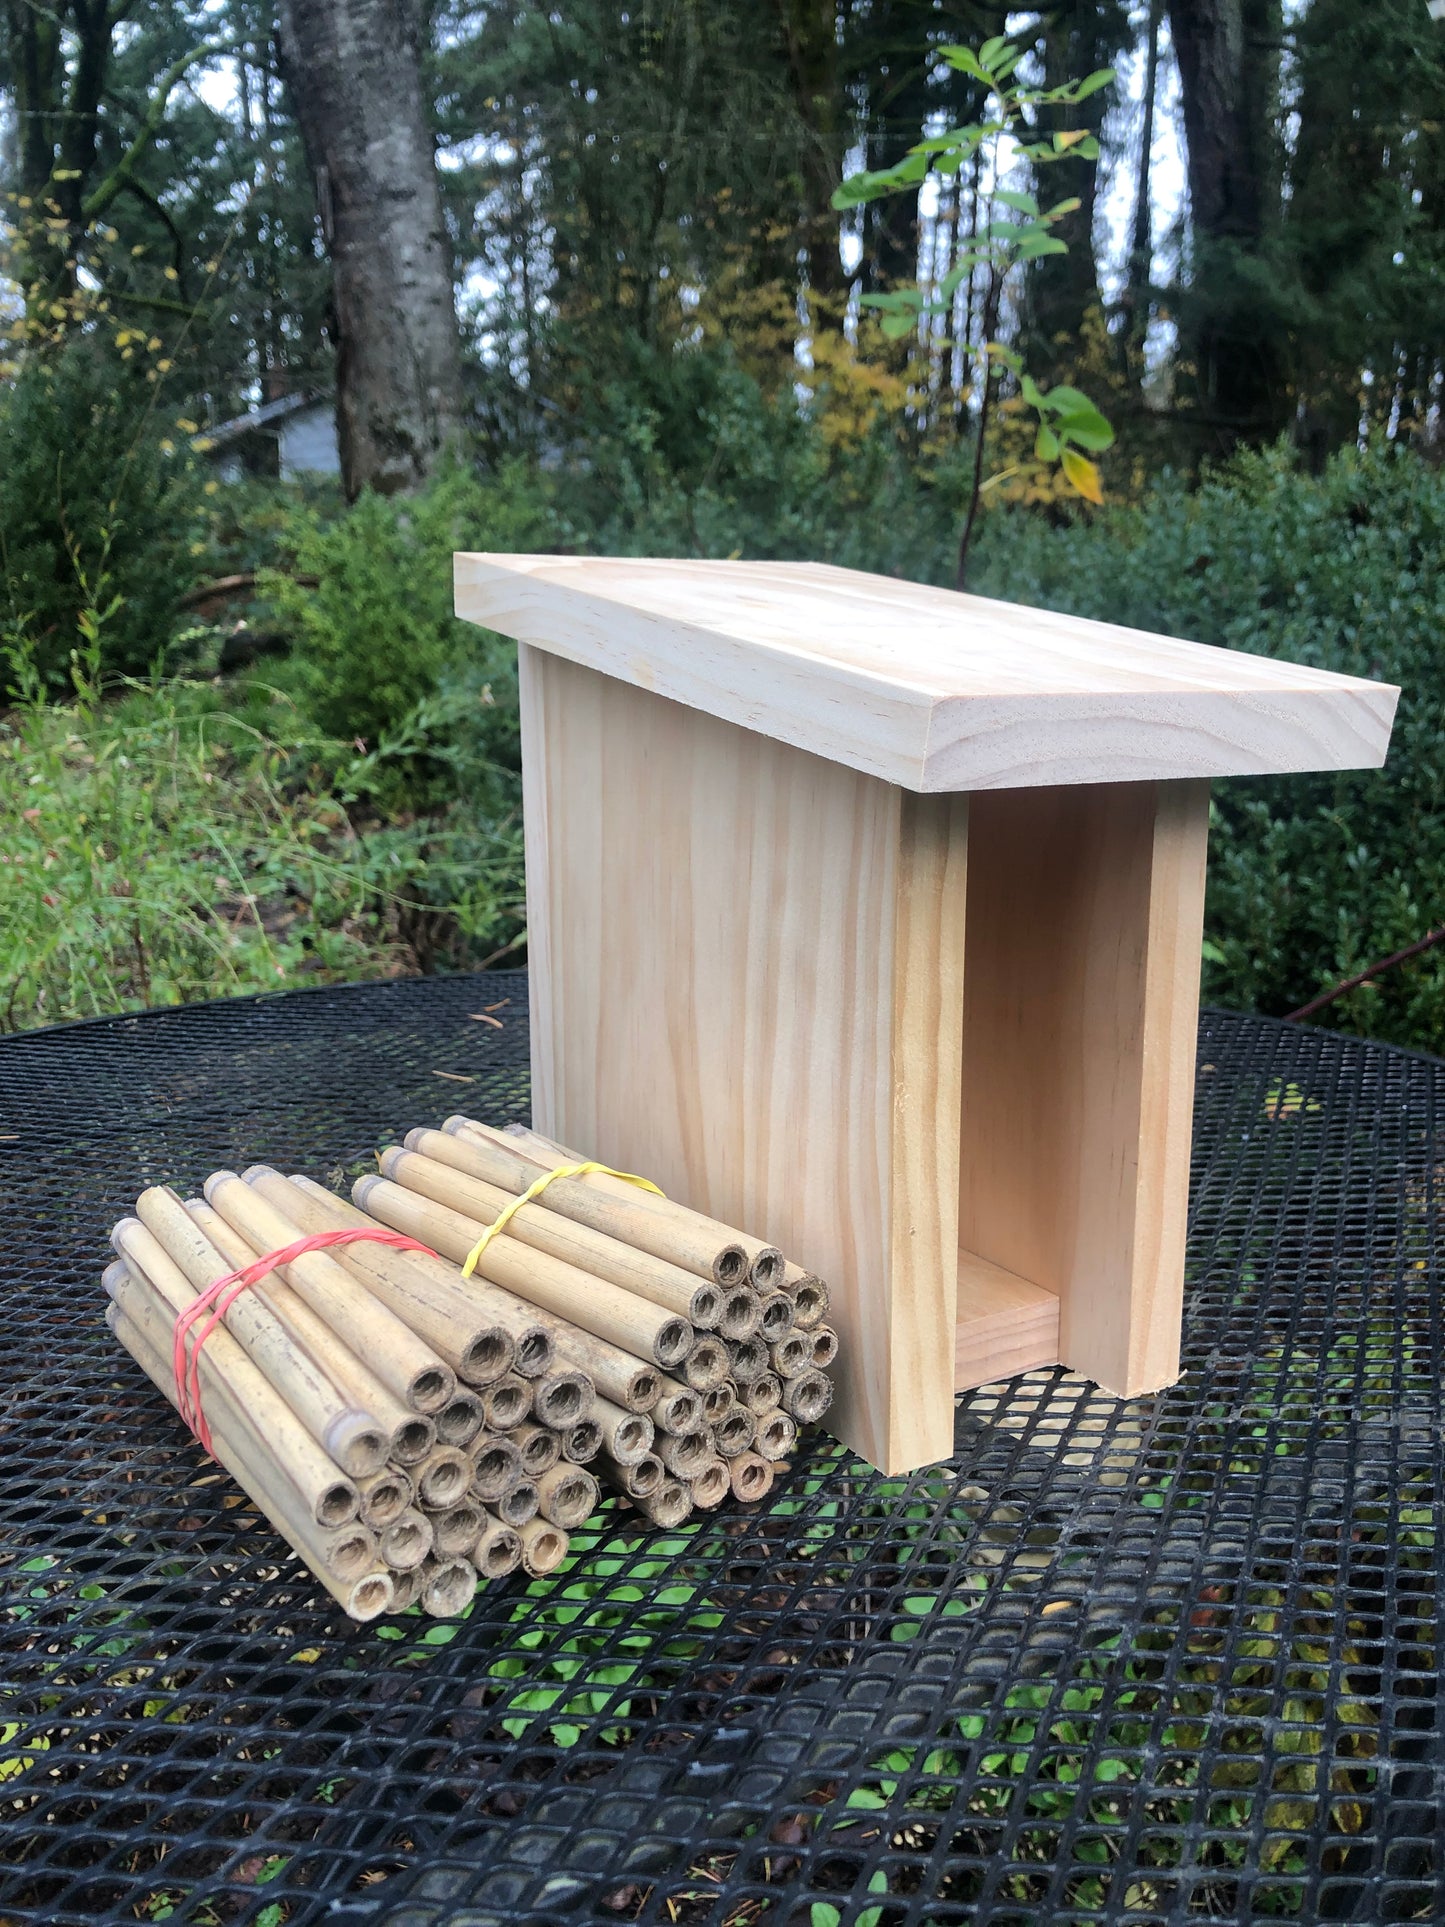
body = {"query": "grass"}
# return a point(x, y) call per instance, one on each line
point(183, 840)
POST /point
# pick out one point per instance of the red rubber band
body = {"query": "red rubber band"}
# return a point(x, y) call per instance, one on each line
point(187, 1367)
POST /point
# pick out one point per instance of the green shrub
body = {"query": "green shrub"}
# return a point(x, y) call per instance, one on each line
point(101, 519)
point(684, 454)
point(370, 608)
point(162, 847)
point(1311, 877)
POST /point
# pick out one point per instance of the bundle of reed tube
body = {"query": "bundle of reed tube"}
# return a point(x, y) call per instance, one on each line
point(413, 1428)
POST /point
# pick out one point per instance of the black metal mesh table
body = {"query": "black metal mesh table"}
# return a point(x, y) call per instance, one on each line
point(1165, 1660)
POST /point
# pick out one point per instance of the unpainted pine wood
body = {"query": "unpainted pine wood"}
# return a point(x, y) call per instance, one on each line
point(924, 688)
point(746, 984)
point(1081, 1003)
point(1005, 1324)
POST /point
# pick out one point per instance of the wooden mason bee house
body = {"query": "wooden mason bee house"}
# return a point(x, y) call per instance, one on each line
point(868, 915)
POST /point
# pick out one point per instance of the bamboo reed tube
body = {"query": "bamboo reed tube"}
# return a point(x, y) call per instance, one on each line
point(624, 1211)
point(499, 1549)
point(825, 1346)
point(404, 1363)
point(384, 1496)
point(518, 1503)
point(544, 1547)
point(678, 1408)
point(479, 1336)
point(752, 1477)
point(638, 1477)
point(765, 1262)
point(346, 1550)
point(810, 1301)
point(460, 1419)
point(775, 1315)
point(406, 1588)
point(711, 1484)
point(409, 1435)
point(227, 1373)
point(706, 1364)
point(496, 1467)
point(567, 1495)
point(807, 1396)
point(718, 1401)
point(582, 1442)
point(364, 1596)
point(411, 1443)
point(741, 1314)
point(749, 1361)
point(625, 1436)
point(449, 1587)
point(539, 1446)
point(618, 1316)
point(541, 1337)
point(736, 1433)
point(451, 1170)
point(407, 1540)
point(443, 1476)
point(777, 1435)
point(684, 1452)
point(456, 1529)
point(619, 1375)
point(563, 1398)
point(670, 1504)
point(507, 1402)
point(762, 1394)
point(345, 1433)
point(792, 1354)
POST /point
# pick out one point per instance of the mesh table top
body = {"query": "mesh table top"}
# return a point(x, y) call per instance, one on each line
point(1157, 1661)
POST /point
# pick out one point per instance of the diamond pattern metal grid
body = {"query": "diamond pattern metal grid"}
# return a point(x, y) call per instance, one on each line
point(1162, 1661)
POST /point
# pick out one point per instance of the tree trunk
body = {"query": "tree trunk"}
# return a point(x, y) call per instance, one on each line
point(810, 37)
point(353, 70)
point(1228, 53)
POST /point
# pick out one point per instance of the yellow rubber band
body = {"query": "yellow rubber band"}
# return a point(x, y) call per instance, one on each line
point(534, 1191)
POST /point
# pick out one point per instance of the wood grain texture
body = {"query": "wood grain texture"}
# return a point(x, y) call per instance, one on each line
point(747, 983)
point(1005, 1324)
point(924, 688)
point(1085, 908)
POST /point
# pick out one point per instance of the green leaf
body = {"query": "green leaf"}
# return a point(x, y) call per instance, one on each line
point(889, 180)
point(1024, 203)
point(1046, 446)
point(1089, 431)
point(820, 1914)
point(863, 1796)
point(965, 139)
point(992, 51)
point(1060, 208)
point(1069, 401)
point(1101, 77)
point(1032, 393)
point(895, 326)
point(1035, 246)
point(965, 61)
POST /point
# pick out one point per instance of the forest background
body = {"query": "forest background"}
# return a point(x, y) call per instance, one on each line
point(572, 277)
